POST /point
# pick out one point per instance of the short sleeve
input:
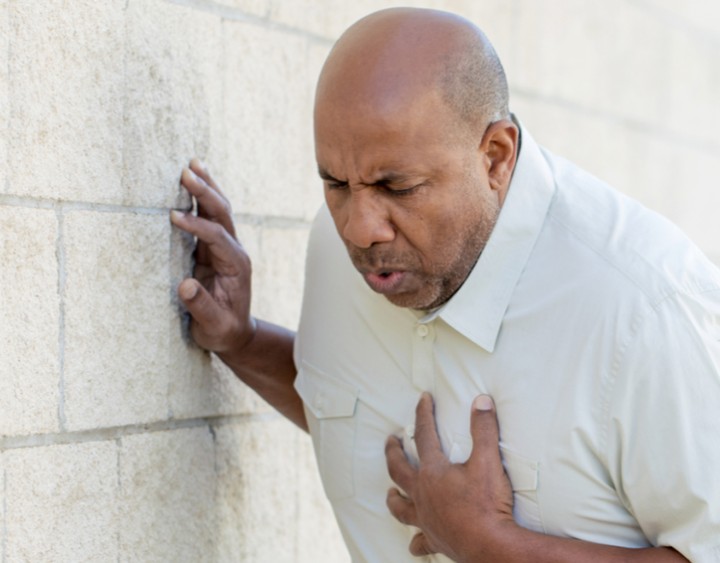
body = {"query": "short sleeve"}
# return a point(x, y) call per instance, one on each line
point(663, 433)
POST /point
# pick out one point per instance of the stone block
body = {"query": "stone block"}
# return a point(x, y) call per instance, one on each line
point(604, 148)
point(495, 17)
point(167, 489)
point(692, 90)
point(667, 82)
point(204, 386)
point(279, 274)
point(66, 107)
point(701, 18)
point(319, 538)
point(200, 384)
point(322, 19)
point(644, 164)
point(696, 212)
point(259, 8)
point(268, 110)
point(118, 314)
point(173, 99)
point(60, 503)
point(257, 491)
point(596, 60)
point(4, 98)
point(30, 313)
point(318, 18)
point(3, 504)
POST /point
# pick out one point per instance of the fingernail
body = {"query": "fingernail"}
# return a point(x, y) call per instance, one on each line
point(483, 403)
point(197, 163)
point(175, 214)
point(189, 291)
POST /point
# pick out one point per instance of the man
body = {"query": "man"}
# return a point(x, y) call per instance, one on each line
point(472, 264)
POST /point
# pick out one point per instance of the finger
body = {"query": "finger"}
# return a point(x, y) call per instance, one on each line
point(399, 468)
point(201, 169)
point(484, 430)
point(211, 203)
point(199, 186)
point(420, 545)
point(401, 507)
point(183, 220)
point(205, 311)
point(224, 248)
point(426, 436)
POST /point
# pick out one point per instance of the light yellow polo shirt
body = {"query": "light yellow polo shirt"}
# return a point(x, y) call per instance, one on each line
point(595, 326)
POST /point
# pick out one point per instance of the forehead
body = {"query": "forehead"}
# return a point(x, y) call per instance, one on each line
point(406, 135)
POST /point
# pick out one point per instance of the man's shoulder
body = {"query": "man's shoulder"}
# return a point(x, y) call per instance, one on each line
point(615, 236)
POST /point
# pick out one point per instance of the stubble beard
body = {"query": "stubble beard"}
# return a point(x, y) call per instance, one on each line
point(452, 274)
point(443, 278)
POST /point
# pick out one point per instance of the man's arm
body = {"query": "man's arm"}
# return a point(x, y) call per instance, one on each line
point(218, 299)
point(465, 510)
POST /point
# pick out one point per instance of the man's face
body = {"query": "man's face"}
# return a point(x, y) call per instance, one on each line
point(409, 196)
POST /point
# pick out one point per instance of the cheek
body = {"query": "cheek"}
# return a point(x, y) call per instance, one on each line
point(439, 244)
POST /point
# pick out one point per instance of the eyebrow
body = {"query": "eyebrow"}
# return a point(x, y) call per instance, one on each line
point(325, 175)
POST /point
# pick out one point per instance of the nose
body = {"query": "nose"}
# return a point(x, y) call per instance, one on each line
point(367, 220)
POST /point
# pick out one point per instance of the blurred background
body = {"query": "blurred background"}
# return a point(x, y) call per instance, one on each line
point(119, 439)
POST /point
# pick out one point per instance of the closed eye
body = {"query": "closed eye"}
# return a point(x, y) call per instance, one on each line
point(334, 185)
point(401, 191)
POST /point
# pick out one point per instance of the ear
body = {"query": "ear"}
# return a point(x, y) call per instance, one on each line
point(499, 144)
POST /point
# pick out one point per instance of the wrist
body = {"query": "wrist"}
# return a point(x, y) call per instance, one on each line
point(501, 542)
point(241, 344)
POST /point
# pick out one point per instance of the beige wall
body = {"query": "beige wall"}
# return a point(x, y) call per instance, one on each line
point(118, 439)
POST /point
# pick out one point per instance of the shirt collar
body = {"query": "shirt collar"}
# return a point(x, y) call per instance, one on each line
point(478, 307)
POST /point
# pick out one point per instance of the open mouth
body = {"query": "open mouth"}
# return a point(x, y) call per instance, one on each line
point(385, 281)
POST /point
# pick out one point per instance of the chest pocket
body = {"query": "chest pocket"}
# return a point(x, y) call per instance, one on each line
point(330, 409)
point(523, 474)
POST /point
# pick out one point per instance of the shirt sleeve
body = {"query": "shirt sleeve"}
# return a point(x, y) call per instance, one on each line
point(663, 433)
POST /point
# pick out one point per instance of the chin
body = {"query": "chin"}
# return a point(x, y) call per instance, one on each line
point(413, 301)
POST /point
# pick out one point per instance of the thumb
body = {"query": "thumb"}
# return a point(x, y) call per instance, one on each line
point(419, 545)
point(199, 303)
point(484, 427)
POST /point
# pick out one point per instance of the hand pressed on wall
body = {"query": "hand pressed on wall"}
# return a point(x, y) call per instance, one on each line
point(218, 296)
point(461, 509)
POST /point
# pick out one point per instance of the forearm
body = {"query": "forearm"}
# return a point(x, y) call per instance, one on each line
point(266, 365)
point(521, 546)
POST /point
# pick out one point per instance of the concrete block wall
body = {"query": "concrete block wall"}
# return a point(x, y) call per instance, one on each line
point(119, 439)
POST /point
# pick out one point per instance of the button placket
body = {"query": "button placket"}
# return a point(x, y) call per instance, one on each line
point(423, 373)
point(319, 401)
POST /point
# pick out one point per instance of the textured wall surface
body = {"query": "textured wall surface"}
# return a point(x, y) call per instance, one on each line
point(121, 441)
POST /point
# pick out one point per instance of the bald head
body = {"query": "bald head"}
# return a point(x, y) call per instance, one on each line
point(393, 57)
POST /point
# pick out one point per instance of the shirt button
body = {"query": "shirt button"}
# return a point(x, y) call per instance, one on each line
point(319, 402)
point(422, 331)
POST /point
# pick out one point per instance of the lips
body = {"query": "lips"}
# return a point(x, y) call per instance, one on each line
point(385, 282)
